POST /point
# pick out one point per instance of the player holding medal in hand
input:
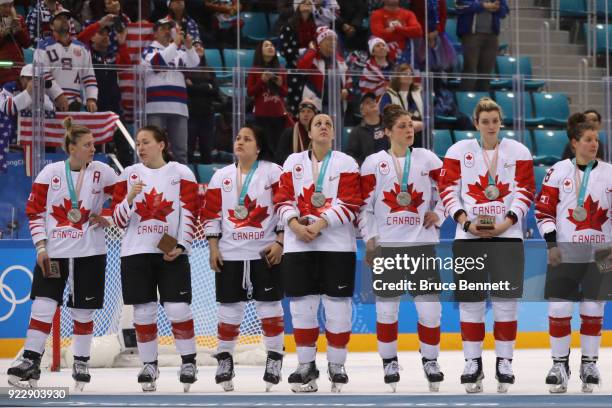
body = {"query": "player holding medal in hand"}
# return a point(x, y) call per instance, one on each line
point(487, 188)
point(572, 213)
point(246, 245)
point(318, 199)
point(66, 228)
point(405, 222)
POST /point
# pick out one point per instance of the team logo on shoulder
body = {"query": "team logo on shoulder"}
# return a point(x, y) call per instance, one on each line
point(568, 185)
point(468, 159)
point(298, 171)
point(56, 183)
point(227, 184)
point(383, 168)
point(134, 178)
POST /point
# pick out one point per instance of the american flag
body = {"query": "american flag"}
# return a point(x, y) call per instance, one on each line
point(6, 126)
point(139, 37)
point(101, 124)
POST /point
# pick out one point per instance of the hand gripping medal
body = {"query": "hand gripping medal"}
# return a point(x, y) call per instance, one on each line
point(240, 210)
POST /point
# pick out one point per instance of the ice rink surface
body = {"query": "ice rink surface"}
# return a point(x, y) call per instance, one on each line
point(118, 386)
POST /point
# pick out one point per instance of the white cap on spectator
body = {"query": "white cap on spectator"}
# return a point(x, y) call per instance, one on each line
point(374, 41)
point(27, 70)
point(324, 32)
point(5, 1)
point(296, 3)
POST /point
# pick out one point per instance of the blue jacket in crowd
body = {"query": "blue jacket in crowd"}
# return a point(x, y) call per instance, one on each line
point(467, 10)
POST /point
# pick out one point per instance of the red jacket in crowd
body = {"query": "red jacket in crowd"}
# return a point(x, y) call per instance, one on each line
point(10, 50)
point(268, 102)
point(406, 25)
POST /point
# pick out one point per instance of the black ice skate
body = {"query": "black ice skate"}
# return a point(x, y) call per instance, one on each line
point(80, 374)
point(148, 376)
point(24, 372)
point(558, 376)
point(589, 374)
point(433, 374)
point(188, 375)
point(304, 378)
point(225, 371)
point(337, 375)
point(274, 364)
point(472, 375)
point(392, 369)
point(503, 374)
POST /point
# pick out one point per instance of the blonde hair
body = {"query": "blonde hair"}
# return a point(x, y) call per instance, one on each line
point(486, 104)
point(73, 133)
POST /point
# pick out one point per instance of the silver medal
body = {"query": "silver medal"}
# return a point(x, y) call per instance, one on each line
point(318, 200)
point(74, 215)
point(491, 192)
point(404, 199)
point(579, 214)
point(240, 212)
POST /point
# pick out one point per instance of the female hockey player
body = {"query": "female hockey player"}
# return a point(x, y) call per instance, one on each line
point(156, 202)
point(318, 199)
point(66, 226)
point(399, 188)
point(571, 211)
point(246, 245)
point(487, 188)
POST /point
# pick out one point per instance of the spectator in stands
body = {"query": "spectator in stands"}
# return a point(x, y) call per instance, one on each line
point(225, 19)
point(296, 37)
point(166, 88)
point(13, 37)
point(44, 11)
point(349, 24)
point(203, 91)
point(442, 55)
point(106, 76)
point(318, 62)
point(375, 75)
point(575, 119)
point(325, 12)
point(267, 84)
point(369, 137)
point(478, 26)
point(403, 91)
point(106, 13)
point(67, 64)
point(176, 12)
point(295, 139)
point(397, 26)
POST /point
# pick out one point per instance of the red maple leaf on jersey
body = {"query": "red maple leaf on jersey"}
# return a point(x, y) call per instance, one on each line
point(391, 199)
point(255, 218)
point(60, 213)
point(154, 207)
point(305, 205)
point(596, 216)
point(476, 190)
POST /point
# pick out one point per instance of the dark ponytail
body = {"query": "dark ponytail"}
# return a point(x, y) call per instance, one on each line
point(160, 135)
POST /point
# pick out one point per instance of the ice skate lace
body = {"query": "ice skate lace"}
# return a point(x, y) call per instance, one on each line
point(558, 370)
point(431, 367)
point(22, 361)
point(336, 369)
point(505, 367)
point(149, 370)
point(225, 366)
point(471, 366)
point(302, 369)
point(188, 369)
point(589, 369)
point(392, 368)
point(80, 367)
point(273, 366)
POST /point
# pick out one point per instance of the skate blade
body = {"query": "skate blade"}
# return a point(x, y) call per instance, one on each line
point(269, 386)
point(473, 388)
point(434, 386)
point(308, 387)
point(227, 386)
point(503, 388)
point(79, 386)
point(393, 386)
point(336, 387)
point(186, 387)
point(17, 382)
point(588, 388)
point(149, 386)
point(557, 388)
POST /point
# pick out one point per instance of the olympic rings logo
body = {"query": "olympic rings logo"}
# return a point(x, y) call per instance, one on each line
point(8, 294)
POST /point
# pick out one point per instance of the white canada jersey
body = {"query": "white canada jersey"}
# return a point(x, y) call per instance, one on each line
point(242, 240)
point(167, 204)
point(558, 198)
point(382, 216)
point(49, 203)
point(342, 189)
point(69, 68)
point(465, 176)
